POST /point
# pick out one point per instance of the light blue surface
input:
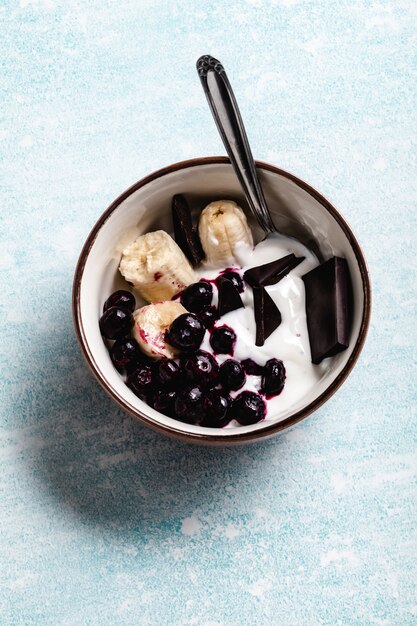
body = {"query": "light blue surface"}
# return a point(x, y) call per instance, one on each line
point(106, 522)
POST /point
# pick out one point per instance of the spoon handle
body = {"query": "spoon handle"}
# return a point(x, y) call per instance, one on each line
point(226, 114)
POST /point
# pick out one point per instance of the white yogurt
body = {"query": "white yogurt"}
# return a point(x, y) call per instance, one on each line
point(289, 342)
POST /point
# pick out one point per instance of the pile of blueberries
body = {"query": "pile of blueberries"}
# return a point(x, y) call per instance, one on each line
point(193, 388)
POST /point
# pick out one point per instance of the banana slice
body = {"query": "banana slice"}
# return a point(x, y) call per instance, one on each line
point(150, 325)
point(222, 228)
point(156, 266)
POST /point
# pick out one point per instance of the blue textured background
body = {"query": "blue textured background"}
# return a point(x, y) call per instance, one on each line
point(106, 522)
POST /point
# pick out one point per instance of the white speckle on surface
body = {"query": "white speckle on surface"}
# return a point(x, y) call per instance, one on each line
point(393, 584)
point(385, 22)
point(23, 581)
point(6, 258)
point(125, 606)
point(26, 142)
point(340, 483)
point(193, 576)
point(16, 316)
point(122, 578)
point(295, 435)
point(401, 340)
point(178, 553)
point(116, 459)
point(380, 165)
point(191, 526)
point(347, 557)
point(399, 476)
point(260, 587)
point(313, 45)
point(231, 532)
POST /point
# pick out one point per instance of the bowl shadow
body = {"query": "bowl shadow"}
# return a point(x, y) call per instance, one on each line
point(102, 465)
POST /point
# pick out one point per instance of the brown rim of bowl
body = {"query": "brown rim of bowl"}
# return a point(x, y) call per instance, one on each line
point(234, 436)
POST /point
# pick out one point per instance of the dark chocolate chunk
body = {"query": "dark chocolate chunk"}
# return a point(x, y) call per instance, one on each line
point(229, 298)
point(272, 272)
point(328, 306)
point(267, 315)
point(185, 235)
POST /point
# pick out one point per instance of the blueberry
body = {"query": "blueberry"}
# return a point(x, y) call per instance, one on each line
point(198, 295)
point(141, 381)
point(189, 405)
point(248, 408)
point(273, 379)
point(124, 352)
point(223, 340)
point(236, 279)
point(208, 316)
point(163, 401)
point(137, 362)
point(122, 299)
point(216, 409)
point(167, 372)
point(186, 332)
point(252, 368)
point(201, 368)
point(115, 323)
point(232, 375)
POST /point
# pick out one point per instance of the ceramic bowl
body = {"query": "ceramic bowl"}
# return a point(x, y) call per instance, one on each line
point(297, 209)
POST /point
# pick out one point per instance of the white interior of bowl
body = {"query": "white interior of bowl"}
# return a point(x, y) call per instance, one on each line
point(295, 212)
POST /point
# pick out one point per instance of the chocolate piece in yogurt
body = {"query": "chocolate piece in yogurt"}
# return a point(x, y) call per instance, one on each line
point(273, 272)
point(328, 307)
point(229, 298)
point(267, 315)
point(185, 234)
